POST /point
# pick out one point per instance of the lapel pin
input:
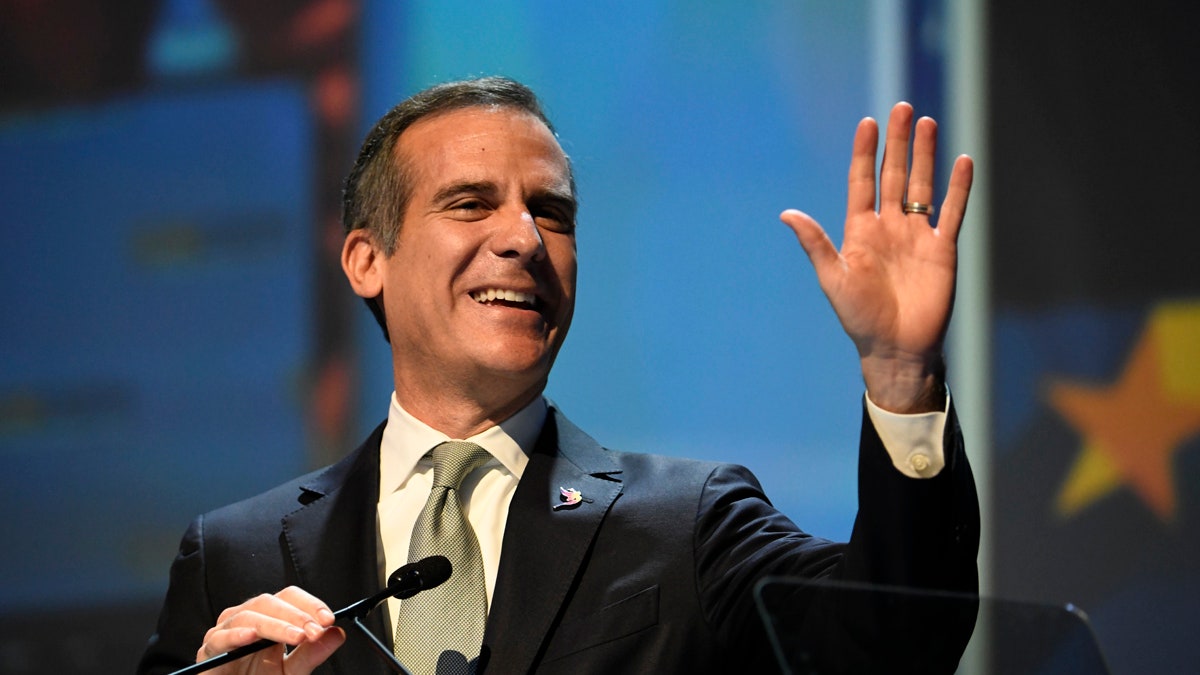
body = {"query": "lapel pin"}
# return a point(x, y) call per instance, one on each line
point(571, 498)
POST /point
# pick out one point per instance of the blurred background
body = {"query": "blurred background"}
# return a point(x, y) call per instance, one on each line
point(176, 332)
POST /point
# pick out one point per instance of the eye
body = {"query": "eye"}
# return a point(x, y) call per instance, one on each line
point(554, 216)
point(554, 220)
point(469, 208)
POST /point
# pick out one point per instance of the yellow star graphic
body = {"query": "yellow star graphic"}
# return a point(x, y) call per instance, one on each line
point(1133, 427)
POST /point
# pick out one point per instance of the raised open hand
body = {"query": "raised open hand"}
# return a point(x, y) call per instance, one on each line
point(892, 283)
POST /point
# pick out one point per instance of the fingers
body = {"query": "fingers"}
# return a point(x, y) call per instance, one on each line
point(305, 658)
point(292, 617)
point(920, 181)
point(954, 207)
point(861, 193)
point(313, 607)
point(217, 641)
point(893, 174)
point(302, 660)
point(898, 185)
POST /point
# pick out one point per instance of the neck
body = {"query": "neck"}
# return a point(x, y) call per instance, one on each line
point(462, 415)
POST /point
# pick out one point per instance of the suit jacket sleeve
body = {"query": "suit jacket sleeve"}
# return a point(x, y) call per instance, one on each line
point(914, 533)
point(316, 532)
point(185, 616)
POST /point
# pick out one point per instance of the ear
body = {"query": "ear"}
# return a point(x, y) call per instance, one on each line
point(361, 261)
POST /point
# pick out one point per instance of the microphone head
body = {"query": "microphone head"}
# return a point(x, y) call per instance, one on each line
point(421, 575)
point(434, 570)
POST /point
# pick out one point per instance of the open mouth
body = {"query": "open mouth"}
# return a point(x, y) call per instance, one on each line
point(506, 297)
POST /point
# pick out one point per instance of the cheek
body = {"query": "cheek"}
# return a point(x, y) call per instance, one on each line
point(566, 270)
point(565, 264)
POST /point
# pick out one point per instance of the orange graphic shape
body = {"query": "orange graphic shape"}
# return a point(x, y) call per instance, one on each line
point(1135, 423)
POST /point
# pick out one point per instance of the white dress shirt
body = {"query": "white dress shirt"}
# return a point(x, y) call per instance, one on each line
point(406, 479)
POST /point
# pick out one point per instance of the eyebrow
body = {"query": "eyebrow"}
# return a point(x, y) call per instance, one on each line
point(555, 195)
point(561, 198)
point(465, 187)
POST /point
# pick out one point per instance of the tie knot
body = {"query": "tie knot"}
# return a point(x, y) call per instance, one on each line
point(453, 460)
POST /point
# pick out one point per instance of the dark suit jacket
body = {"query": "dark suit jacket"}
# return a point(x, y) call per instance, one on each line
point(653, 574)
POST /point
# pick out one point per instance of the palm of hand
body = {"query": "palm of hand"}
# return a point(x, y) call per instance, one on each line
point(892, 286)
point(892, 283)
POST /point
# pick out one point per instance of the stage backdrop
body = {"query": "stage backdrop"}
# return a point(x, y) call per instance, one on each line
point(173, 337)
point(699, 327)
point(1097, 320)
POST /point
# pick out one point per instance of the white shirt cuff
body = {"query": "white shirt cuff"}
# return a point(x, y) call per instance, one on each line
point(914, 442)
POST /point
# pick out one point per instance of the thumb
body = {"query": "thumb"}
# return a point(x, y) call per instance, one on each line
point(816, 244)
point(308, 655)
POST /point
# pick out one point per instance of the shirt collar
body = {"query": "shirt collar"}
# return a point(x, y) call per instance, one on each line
point(407, 439)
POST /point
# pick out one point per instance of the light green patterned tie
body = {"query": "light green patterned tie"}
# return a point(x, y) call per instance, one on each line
point(440, 631)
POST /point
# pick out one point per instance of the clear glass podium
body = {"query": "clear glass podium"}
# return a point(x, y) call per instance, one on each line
point(842, 628)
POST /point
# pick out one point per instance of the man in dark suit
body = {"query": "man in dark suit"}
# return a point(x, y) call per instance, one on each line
point(460, 235)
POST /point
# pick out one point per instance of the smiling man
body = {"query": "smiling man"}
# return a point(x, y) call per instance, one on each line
point(460, 218)
point(479, 288)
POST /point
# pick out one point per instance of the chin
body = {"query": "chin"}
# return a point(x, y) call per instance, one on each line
point(519, 361)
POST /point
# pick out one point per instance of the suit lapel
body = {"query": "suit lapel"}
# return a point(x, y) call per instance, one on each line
point(332, 542)
point(544, 547)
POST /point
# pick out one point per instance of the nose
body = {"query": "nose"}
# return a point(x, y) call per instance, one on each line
point(519, 237)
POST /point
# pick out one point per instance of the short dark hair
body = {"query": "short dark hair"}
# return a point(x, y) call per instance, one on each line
point(378, 188)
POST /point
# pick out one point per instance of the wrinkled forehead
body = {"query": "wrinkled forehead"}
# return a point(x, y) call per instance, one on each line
point(472, 132)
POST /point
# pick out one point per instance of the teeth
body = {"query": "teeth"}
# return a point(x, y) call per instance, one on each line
point(504, 294)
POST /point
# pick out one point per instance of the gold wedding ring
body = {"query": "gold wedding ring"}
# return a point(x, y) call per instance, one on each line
point(918, 207)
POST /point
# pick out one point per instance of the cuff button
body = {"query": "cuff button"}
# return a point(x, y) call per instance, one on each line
point(919, 462)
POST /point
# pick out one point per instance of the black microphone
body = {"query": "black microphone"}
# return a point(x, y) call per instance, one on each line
point(422, 575)
point(404, 583)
